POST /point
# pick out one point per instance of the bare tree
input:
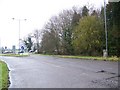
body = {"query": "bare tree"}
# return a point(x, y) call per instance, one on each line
point(50, 37)
point(57, 34)
point(37, 36)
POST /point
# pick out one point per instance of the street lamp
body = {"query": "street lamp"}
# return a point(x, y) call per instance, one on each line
point(19, 20)
point(106, 51)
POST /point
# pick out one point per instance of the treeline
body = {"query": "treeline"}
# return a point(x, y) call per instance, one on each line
point(81, 32)
point(74, 32)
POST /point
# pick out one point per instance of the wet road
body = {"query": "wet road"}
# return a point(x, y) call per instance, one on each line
point(54, 72)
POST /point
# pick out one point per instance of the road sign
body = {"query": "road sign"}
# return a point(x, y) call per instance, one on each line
point(22, 47)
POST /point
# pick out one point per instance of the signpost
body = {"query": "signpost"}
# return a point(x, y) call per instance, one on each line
point(14, 49)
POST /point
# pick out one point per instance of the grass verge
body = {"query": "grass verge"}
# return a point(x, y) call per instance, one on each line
point(15, 55)
point(4, 75)
point(113, 58)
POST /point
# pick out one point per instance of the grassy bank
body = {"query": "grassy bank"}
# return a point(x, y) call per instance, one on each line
point(113, 58)
point(4, 82)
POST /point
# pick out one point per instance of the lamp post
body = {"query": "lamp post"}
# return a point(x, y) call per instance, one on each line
point(19, 21)
point(106, 51)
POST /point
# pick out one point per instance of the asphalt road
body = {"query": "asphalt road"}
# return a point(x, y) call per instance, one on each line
point(38, 71)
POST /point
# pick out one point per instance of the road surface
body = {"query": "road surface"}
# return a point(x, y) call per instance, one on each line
point(39, 71)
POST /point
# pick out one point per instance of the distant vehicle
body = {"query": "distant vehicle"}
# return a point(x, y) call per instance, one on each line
point(31, 51)
point(5, 52)
point(36, 51)
point(21, 51)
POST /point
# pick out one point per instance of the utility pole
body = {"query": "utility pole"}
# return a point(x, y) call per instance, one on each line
point(106, 37)
point(19, 35)
point(19, 20)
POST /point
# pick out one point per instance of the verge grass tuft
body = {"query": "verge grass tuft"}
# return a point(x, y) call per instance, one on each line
point(4, 76)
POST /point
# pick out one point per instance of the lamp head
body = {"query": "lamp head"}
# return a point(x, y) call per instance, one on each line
point(25, 19)
point(13, 18)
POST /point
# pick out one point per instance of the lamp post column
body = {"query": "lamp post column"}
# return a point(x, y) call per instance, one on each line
point(19, 35)
point(19, 20)
point(106, 37)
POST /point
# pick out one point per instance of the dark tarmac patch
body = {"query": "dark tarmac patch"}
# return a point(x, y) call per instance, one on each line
point(103, 71)
point(111, 82)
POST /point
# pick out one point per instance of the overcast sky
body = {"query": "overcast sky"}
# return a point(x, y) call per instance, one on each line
point(37, 12)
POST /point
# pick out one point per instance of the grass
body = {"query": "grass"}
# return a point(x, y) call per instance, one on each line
point(4, 82)
point(113, 58)
point(15, 55)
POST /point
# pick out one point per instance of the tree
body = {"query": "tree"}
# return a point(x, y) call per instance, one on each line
point(37, 36)
point(28, 43)
point(113, 23)
point(74, 32)
point(51, 37)
point(49, 42)
point(66, 39)
point(59, 32)
point(94, 13)
point(113, 27)
point(75, 19)
point(87, 36)
point(85, 11)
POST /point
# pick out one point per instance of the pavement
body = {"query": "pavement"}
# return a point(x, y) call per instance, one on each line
point(39, 71)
